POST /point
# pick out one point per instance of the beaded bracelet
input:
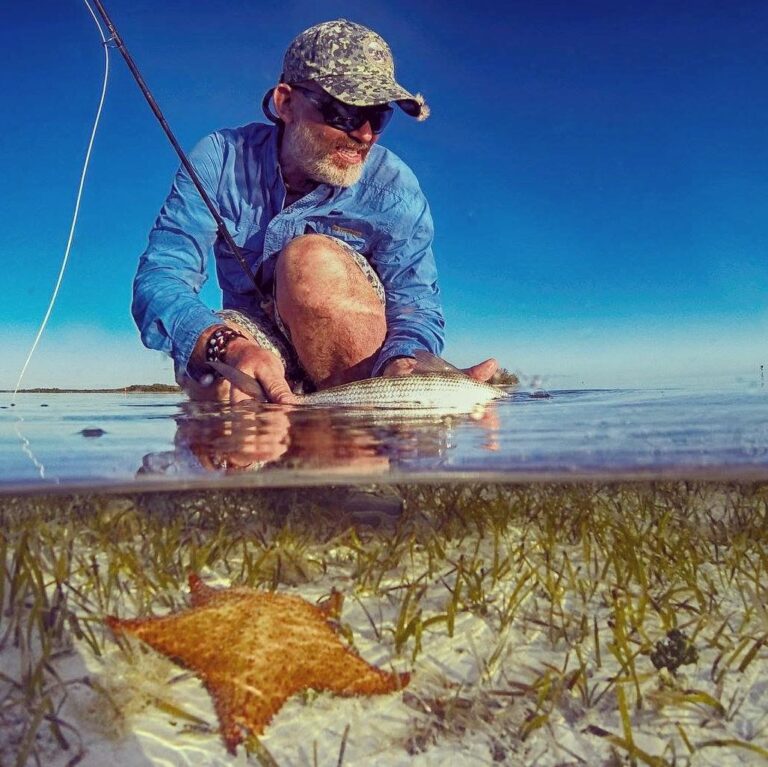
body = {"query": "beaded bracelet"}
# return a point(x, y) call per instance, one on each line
point(216, 347)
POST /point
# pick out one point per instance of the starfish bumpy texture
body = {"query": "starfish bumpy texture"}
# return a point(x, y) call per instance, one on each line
point(255, 649)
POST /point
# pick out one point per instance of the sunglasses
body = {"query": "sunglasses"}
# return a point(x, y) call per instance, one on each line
point(346, 117)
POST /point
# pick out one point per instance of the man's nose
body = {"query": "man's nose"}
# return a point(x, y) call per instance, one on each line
point(364, 134)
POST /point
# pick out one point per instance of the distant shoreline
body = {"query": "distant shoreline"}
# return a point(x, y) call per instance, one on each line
point(155, 388)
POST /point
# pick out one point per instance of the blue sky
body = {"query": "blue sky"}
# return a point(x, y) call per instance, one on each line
point(597, 171)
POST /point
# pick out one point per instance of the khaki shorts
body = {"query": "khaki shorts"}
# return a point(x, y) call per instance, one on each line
point(269, 331)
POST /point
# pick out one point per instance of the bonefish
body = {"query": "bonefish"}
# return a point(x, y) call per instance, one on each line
point(435, 384)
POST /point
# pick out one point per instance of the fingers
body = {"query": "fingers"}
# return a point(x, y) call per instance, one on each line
point(265, 367)
point(483, 370)
point(403, 366)
point(237, 395)
point(278, 391)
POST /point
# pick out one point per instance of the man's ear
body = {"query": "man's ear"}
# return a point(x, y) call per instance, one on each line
point(284, 104)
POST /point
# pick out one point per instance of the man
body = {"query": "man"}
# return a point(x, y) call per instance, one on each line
point(334, 228)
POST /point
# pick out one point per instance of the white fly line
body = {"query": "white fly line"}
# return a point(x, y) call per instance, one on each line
point(77, 204)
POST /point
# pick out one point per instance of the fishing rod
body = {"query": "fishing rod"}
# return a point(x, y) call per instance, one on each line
point(221, 227)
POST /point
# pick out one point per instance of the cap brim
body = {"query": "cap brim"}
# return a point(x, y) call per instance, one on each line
point(361, 91)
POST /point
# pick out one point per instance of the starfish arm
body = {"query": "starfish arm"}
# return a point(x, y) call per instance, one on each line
point(345, 673)
point(177, 635)
point(223, 698)
point(242, 711)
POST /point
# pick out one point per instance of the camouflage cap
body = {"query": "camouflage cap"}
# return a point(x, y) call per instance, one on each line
point(352, 63)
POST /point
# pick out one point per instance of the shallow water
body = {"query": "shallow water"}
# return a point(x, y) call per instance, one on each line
point(50, 441)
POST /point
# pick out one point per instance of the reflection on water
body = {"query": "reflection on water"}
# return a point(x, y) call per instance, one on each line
point(255, 437)
point(101, 439)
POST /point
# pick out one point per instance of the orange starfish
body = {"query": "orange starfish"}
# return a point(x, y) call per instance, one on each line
point(254, 649)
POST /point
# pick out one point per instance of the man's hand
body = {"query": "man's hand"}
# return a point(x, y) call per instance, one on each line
point(483, 370)
point(264, 366)
point(247, 356)
point(404, 366)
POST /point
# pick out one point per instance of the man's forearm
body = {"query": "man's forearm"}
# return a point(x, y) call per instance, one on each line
point(172, 270)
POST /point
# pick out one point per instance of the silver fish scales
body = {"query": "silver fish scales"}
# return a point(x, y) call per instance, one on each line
point(416, 391)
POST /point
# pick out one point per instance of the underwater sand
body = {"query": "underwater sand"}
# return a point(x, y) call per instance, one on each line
point(528, 615)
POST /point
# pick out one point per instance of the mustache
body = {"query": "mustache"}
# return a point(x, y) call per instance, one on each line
point(356, 146)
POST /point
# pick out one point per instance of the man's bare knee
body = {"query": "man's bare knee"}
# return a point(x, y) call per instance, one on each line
point(313, 270)
point(310, 257)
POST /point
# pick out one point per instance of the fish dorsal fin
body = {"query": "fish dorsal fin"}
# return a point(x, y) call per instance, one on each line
point(431, 364)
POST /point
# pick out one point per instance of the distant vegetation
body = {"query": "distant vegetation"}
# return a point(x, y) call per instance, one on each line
point(155, 388)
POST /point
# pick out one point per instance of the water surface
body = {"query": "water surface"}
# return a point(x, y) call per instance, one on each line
point(96, 440)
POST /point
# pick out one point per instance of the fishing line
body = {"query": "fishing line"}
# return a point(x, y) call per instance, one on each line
point(26, 446)
point(77, 203)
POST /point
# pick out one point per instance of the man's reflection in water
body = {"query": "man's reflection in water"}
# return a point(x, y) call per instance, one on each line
point(254, 437)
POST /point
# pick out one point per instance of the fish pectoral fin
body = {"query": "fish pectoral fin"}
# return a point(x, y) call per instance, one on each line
point(431, 364)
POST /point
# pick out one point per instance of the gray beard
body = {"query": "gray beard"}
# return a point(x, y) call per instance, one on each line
point(305, 152)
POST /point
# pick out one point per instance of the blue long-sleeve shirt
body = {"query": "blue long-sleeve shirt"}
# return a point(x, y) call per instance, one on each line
point(383, 216)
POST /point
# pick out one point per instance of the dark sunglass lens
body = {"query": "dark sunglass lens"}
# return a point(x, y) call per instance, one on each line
point(346, 117)
point(380, 118)
point(339, 115)
point(356, 117)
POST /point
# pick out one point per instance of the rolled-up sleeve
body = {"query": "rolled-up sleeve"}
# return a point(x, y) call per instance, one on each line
point(173, 269)
point(406, 266)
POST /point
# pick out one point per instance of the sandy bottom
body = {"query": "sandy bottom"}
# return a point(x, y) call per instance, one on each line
point(528, 628)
